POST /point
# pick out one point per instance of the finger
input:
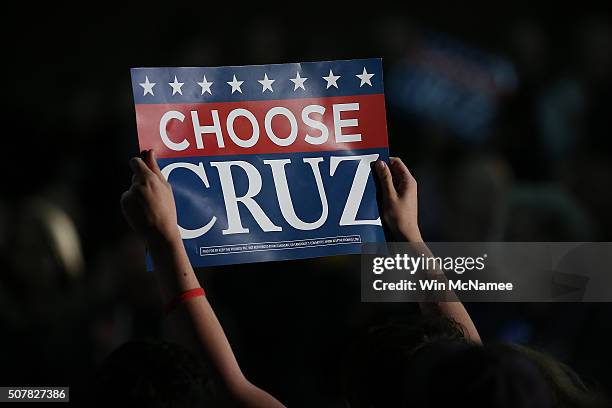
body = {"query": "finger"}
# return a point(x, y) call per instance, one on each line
point(136, 177)
point(125, 202)
point(140, 169)
point(139, 193)
point(151, 161)
point(385, 179)
point(128, 207)
point(401, 175)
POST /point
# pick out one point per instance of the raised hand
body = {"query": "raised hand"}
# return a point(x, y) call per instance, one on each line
point(149, 205)
point(399, 200)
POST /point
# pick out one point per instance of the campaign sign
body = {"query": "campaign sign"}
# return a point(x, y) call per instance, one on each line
point(267, 162)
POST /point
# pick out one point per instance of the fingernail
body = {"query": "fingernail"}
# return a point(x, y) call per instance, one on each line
point(381, 164)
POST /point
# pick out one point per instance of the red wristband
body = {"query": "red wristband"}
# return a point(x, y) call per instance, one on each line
point(188, 294)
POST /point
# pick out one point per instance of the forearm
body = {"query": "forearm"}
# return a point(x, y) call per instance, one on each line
point(199, 323)
point(454, 309)
point(456, 312)
point(193, 322)
point(172, 267)
point(399, 212)
point(148, 205)
point(195, 326)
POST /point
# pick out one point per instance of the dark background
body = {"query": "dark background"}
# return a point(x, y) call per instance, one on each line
point(72, 280)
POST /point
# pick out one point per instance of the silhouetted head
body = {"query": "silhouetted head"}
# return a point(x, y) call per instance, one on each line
point(431, 365)
point(150, 374)
point(380, 361)
point(483, 377)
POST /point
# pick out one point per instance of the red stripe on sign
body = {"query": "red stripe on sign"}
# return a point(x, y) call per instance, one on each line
point(260, 127)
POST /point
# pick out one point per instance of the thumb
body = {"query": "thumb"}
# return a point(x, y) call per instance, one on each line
point(140, 169)
point(385, 179)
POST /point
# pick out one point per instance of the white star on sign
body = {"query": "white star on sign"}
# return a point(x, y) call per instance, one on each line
point(205, 86)
point(147, 86)
point(298, 82)
point(235, 84)
point(176, 86)
point(365, 78)
point(331, 79)
point(266, 83)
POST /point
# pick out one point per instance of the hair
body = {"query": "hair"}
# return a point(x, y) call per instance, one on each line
point(429, 363)
point(150, 374)
point(567, 387)
point(484, 377)
point(379, 360)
